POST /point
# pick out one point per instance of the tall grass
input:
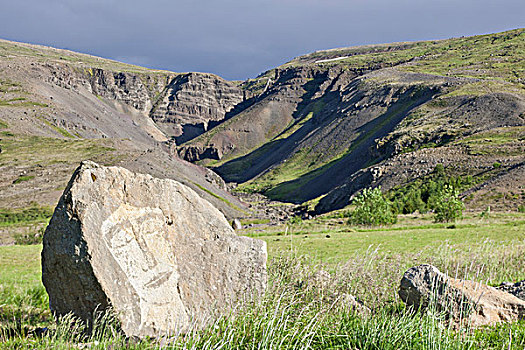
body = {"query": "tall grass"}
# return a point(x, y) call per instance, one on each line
point(308, 306)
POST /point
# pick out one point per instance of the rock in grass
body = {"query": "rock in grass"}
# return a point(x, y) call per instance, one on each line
point(465, 301)
point(161, 256)
point(236, 224)
point(517, 289)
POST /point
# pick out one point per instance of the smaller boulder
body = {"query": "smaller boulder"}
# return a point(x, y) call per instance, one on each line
point(425, 287)
point(236, 224)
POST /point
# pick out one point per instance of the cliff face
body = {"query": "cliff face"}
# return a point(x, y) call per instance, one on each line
point(134, 90)
point(182, 105)
point(191, 102)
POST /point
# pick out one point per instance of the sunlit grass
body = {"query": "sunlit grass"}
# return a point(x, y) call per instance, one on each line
point(306, 302)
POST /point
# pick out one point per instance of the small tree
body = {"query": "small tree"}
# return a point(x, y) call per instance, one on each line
point(372, 208)
point(448, 206)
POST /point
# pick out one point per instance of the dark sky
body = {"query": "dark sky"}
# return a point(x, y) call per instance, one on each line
point(239, 39)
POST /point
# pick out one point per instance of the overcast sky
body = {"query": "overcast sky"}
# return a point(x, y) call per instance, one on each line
point(239, 39)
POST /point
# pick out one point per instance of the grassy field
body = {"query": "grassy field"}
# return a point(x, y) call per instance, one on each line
point(23, 150)
point(331, 241)
point(308, 280)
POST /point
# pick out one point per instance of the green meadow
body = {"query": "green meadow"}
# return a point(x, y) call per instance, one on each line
point(312, 266)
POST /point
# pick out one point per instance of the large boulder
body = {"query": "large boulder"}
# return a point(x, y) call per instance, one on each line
point(161, 256)
point(472, 302)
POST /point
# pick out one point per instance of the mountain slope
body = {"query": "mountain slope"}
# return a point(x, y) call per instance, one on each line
point(322, 119)
point(59, 107)
point(316, 129)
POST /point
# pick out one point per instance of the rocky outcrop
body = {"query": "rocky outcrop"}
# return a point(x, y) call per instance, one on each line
point(517, 289)
point(183, 106)
point(132, 89)
point(466, 301)
point(165, 259)
point(195, 153)
point(192, 101)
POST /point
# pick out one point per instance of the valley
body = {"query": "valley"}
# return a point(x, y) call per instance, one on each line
point(313, 131)
point(283, 157)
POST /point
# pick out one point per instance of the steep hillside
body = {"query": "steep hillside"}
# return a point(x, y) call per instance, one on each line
point(327, 124)
point(316, 129)
point(58, 108)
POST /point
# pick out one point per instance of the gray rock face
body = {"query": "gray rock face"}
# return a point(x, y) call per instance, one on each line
point(517, 289)
point(425, 286)
point(128, 88)
point(195, 153)
point(193, 100)
point(161, 256)
point(183, 106)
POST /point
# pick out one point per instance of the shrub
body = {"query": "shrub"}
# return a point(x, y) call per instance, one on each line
point(295, 220)
point(424, 194)
point(414, 202)
point(372, 208)
point(448, 206)
point(496, 165)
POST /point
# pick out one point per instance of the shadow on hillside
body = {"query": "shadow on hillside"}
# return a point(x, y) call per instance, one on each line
point(321, 180)
point(262, 159)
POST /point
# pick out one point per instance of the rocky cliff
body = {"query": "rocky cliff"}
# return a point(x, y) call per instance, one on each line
point(182, 106)
point(193, 102)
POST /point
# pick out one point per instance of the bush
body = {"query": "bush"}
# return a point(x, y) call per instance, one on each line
point(448, 206)
point(295, 220)
point(424, 194)
point(372, 208)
